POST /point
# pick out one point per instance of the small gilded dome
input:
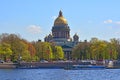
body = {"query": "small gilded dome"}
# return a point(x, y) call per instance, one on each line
point(60, 20)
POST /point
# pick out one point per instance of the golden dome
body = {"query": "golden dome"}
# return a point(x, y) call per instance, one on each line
point(60, 20)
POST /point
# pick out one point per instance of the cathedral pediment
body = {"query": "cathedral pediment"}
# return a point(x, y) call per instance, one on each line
point(66, 46)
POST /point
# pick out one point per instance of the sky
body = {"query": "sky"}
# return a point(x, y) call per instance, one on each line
point(33, 19)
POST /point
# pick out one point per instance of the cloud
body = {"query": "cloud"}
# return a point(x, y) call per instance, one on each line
point(108, 21)
point(117, 22)
point(111, 21)
point(34, 29)
point(117, 33)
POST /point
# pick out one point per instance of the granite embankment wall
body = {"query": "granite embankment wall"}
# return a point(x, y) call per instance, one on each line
point(49, 64)
point(38, 65)
point(8, 65)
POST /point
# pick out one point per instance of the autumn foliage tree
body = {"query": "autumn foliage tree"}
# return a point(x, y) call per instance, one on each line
point(97, 49)
point(18, 46)
point(31, 50)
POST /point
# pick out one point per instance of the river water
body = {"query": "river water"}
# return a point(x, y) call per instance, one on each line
point(59, 74)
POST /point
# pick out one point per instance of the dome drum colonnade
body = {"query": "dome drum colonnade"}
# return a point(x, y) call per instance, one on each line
point(61, 35)
point(61, 28)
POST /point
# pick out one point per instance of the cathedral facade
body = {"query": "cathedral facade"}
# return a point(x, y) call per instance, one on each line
point(61, 36)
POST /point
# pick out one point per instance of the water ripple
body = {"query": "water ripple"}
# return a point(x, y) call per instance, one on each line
point(59, 74)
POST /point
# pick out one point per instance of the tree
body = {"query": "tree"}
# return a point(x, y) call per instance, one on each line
point(18, 46)
point(114, 48)
point(31, 50)
point(43, 50)
point(81, 51)
point(5, 51)
point(22, 51)
point(58, 53)
point(98, 49)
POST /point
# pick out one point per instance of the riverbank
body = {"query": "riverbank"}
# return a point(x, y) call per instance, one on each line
point(35, 65)
point(44, 65)
point(8, 65)
point(28, 65)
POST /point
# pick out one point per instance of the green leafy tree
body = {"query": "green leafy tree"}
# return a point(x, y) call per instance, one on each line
point(114, 48)
point(31, 50)
point(23, 52)
point(58, 54)
point(98, 49)
point(43, 50)
point(81, 51)
point(18, 46)
point(5, 51)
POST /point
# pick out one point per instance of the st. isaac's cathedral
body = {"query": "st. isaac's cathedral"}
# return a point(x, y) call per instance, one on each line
point(61, 35)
